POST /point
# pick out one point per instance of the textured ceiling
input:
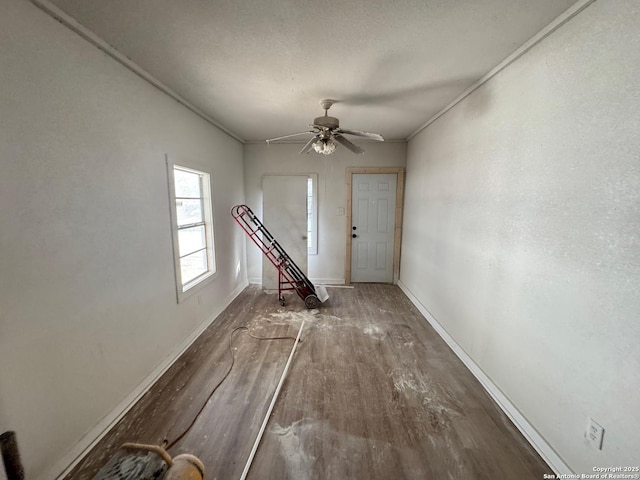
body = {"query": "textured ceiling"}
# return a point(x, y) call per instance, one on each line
point(259, 68)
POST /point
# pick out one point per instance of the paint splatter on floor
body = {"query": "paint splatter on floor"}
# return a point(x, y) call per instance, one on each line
point(374, 331)
point(296, 443)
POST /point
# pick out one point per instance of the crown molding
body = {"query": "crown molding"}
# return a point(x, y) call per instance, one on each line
point(72, 24)
point(524, 48)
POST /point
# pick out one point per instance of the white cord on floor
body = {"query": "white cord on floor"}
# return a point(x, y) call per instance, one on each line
point(273, 402)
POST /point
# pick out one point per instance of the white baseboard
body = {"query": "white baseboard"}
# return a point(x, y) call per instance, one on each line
point(533, 437)
point(84, 446)
point(327, 281)
point(318, 281)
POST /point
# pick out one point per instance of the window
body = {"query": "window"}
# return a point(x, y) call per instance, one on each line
point(192, 222)
point(312, 214)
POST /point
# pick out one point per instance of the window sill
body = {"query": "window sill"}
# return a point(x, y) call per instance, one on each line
point(195, 286)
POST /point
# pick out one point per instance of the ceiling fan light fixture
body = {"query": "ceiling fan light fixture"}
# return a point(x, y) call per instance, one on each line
point(326, 146)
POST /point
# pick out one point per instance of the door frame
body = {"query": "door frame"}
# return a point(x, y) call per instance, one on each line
point(397, 237)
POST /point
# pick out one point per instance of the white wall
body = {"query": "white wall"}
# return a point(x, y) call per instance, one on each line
point(522, 232)
point(88, 299)
point(328, 265)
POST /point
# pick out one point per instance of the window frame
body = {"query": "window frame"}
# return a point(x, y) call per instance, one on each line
point(312, 211)
point(185, 289)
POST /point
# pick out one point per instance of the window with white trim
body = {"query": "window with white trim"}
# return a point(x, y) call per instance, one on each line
point(192, 221)
point(312, 214)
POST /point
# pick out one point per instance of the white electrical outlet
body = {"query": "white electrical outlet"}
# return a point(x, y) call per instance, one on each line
point(594, 433)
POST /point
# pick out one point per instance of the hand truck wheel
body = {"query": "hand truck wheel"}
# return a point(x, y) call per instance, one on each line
point(281, 301)
point(311, 302)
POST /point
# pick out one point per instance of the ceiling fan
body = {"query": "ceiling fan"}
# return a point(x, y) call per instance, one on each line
point(326, 132)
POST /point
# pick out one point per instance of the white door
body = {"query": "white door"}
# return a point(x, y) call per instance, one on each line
point(373, 218)
point(284, 214)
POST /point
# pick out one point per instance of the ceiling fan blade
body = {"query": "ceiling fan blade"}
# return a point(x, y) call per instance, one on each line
point(307, 147)
point(354, 148)
point(288, 136)
point(372, 136)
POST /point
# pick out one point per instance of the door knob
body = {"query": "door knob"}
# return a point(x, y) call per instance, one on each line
point(354, 236)
point(354, 227)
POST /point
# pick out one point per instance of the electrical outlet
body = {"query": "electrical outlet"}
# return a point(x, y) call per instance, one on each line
point(594, 434)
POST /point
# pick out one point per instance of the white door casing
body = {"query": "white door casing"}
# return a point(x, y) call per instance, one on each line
point(373, 210)
point(284, 214)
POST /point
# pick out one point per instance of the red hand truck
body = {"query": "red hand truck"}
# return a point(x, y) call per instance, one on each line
point(290, 277)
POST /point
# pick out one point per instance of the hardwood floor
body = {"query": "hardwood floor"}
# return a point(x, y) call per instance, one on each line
point(372, 393)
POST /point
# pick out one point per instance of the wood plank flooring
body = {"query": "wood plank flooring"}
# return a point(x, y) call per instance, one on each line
point(372, 393)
